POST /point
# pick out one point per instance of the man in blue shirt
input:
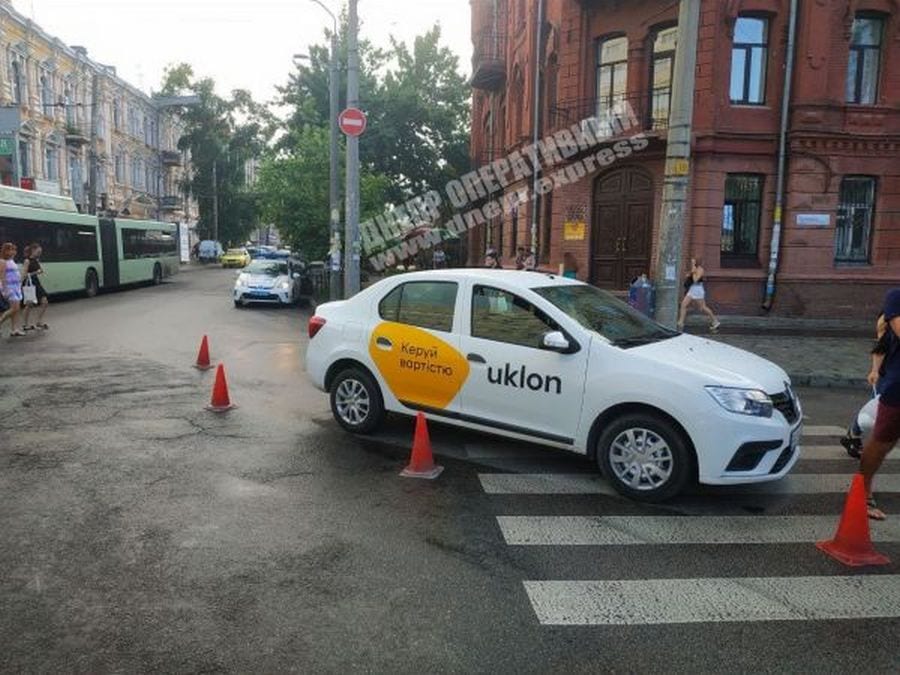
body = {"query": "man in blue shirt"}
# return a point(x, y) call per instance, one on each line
point(887, 420)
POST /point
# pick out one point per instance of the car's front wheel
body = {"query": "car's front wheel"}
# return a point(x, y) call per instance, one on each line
point(356, 401)
point(645, 457)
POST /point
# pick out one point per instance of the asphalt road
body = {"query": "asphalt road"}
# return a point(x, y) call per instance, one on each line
point(140, 532)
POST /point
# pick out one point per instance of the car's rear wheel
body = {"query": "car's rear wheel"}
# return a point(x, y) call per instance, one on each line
point(356, 401)
point(645, 457)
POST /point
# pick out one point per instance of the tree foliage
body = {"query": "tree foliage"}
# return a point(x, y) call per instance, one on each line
point(221, 135)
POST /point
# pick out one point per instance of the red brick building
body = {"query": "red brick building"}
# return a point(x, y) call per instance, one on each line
point(840, 244)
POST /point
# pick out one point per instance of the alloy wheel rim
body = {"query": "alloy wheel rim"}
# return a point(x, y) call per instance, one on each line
point(352, 402)
point(641, 459)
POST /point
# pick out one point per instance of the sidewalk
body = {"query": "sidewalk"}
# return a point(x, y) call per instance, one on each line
point(832, 355)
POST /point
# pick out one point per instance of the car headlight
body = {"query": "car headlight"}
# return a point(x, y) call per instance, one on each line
point(284, 285)
point(742, 401)
point(242, 281)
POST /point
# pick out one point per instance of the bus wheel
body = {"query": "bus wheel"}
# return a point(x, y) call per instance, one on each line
point(157, 274)
point(91, 284)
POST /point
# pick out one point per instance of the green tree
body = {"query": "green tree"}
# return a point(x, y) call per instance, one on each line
point(222, 135)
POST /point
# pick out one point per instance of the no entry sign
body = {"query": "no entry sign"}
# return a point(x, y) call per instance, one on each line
point(352, 122)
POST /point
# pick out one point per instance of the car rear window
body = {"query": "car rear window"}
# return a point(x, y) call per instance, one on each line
point(426, 304)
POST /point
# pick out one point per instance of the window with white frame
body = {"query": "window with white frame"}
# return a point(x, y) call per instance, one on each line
point(18, 81)
point(47, 101)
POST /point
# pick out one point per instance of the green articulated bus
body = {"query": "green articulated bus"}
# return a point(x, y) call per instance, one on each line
point(85, 253)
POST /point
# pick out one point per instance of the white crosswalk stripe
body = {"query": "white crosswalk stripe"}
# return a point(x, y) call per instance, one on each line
point(836, 452)
point(658, 601)
point(587, 483)
point(642, 530)
point(612, 602)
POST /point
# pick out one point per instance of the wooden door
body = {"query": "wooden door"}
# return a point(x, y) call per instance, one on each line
point(621, 228)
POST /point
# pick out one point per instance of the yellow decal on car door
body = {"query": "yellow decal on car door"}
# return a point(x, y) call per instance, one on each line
point(417, 366)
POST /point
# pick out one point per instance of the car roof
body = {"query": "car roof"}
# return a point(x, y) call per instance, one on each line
point(515, 277)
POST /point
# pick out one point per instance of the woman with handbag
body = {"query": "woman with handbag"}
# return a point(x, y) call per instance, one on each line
point(10, 287)
point(35, 295)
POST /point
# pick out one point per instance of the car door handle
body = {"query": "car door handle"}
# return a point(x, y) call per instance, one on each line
point(476, 358)
point(383, 343)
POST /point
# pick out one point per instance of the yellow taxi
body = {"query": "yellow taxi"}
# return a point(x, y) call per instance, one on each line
point(236, 257)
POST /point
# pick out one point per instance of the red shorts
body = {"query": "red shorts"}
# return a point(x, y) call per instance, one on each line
point(887, 424)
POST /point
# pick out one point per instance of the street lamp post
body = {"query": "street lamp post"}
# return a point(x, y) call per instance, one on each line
point(334, 250)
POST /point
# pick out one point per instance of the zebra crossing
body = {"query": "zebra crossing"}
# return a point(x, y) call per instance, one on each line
point(664, 600)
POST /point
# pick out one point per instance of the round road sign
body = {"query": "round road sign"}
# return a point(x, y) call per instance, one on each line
point(352, 122)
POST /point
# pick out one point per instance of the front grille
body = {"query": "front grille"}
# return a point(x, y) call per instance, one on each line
point(785, 404)
point(782, 460)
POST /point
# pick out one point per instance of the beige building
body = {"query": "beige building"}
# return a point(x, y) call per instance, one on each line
point(71, 126)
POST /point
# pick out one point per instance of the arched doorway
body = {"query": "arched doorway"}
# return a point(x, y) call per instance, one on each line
point(622, 227)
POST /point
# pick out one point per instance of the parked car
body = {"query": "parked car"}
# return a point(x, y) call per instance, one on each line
point(555, 361)
point(266, 281)
point(209, 251)
point(235, 257)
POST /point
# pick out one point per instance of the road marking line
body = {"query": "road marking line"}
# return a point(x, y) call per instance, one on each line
point(664, 601)
point(814, 430)
point(836, 452)
point(587, 483)
point(641, 530)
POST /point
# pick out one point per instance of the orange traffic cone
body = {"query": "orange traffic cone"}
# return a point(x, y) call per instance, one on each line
point(852, 544)
point(220, 401)
point(203, 356)
point(421, 463)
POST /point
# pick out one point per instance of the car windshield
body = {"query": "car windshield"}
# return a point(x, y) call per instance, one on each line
point(270, 268)
point(235, 251)
point(605, 314)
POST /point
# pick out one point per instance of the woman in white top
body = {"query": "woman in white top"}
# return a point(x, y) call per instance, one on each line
point(696, 296)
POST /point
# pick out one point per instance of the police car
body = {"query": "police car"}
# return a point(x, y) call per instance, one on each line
point(552, 360)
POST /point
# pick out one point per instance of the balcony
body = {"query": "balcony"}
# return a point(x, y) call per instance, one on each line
point(170, 203)
point(77, 135)
point(489, 60)
point(171, 158)
point(628, 114)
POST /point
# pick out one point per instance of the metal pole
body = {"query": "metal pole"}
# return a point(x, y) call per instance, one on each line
point(782, 156)
point(334, 197)
point(678, 155)
point(215, 196)
point(92, 151)
point(535, 197)
point(352, 247)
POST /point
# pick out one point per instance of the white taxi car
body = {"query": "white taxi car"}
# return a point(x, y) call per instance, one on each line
point(555, 361)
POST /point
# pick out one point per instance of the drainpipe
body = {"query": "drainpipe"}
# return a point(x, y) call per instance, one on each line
point(538, 57)
point(775, 245)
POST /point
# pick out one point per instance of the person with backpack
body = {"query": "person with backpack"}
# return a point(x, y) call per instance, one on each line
point(32, 271)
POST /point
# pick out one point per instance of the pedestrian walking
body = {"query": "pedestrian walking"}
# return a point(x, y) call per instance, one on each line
point(492, 259)
point(695, 296)
point(32, 271)
point(439, 258)
point(887, 419)
point(10, 288)
point(852, 441)
point(520, 258)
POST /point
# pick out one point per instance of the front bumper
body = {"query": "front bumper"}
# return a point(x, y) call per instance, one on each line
point(272, 296)
point(733, 449)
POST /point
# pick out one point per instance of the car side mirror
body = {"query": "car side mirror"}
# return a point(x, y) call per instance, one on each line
point(295, 275)
point(555, 341)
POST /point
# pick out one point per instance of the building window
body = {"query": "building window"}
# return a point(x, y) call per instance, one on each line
point(612, 74)
point(24, 160)
point(120, 168)
point(117, 116)
point(661, 79)
point(741, 216)
point(748, 60)
point(18, 82)
point(47, 94)
point(865, 60)
point(853, 234)
point(51, 163)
